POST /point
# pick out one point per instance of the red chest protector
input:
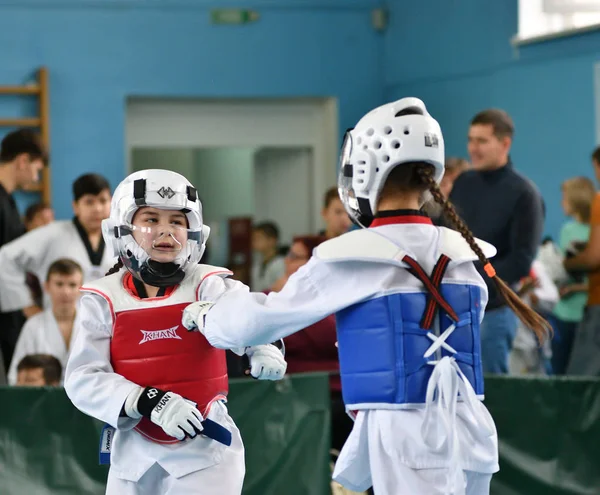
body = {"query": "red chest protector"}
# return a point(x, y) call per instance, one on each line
point(150, 347)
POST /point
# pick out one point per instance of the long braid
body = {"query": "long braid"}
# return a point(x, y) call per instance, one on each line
point(528, 316)
point(117, 266)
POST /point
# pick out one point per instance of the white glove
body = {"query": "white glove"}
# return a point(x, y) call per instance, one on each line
point(193, 315)
point(266, 362)
point(178, 417)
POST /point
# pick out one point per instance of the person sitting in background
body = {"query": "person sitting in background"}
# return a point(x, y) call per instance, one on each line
point(540, 292)
point(577, 196)
point(337, 221)
point(38, 215)
point(39, 370)
point(314, 349)
point(268, 264)
point(51, 332)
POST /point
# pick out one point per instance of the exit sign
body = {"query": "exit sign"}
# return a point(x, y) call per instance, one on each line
point(233, 16)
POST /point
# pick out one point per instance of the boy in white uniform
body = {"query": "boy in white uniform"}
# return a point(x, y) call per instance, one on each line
point(136, 368)
point(51, 331)
point(408, 302)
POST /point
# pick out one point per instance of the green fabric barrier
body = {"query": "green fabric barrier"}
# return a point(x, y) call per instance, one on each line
point(549, 435)
point(49, 447)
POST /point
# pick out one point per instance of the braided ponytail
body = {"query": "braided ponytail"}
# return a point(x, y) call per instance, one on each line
point(528, 316)
point(117, 266)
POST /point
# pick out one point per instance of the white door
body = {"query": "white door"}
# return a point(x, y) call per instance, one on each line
point(283, 190)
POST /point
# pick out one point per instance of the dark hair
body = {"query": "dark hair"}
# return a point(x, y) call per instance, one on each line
point(116, 267)
point(331, 195)
point(420, 176)
point(34, 209)
point(92, 184)
point(49, 364)
point(22, 141)
point(596, 155)
point(500, 121)
point(268, 228)
point(310, 242)
point(64, 266)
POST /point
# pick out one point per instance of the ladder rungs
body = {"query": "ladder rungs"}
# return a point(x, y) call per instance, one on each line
point(34, 89)
point(29, 122)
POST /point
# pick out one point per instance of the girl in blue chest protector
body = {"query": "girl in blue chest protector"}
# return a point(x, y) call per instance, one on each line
point(408, 301)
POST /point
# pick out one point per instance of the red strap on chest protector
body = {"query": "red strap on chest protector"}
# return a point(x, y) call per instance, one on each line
point(432, 284)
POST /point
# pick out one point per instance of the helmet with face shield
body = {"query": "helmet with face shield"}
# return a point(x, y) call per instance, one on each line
point(386, 137)
point(154, 250)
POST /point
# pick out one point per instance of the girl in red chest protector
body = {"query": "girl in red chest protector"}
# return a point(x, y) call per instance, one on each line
point(161, 389)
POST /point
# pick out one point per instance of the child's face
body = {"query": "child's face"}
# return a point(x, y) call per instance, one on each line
point(297, 257)
point(64, 289)
point(33, 377)
point(262, 243)
point(41, 218)
point(336, 219)
point(161, 233)
point(91, 209)
point(565, 205)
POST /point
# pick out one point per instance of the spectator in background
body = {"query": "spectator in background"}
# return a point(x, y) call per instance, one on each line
point(51, 332)
point(577, 196)
point(585, 354)
point(540, 292)
point(38, 215)
point(22, 157)
point(268, 265)
point(314, 349)
point(39, 370)
point(504, 208)
point(453, 167)
point(337, 221)
point(79, 239)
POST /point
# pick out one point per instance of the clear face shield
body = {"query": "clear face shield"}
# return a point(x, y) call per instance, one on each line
point(345, 189)
point(160, 254)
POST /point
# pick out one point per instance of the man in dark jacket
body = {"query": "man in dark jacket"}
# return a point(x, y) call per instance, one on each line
point(22, 157)
point(504, 208)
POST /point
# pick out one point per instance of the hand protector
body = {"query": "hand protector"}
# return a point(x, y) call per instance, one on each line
point(193, 315)
point(266, 362)
point(177, 416)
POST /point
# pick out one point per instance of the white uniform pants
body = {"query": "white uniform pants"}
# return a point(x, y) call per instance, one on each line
point(225, 478)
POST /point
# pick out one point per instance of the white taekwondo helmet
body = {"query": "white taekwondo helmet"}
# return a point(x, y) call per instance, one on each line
point(386, 137)
point(165, 190)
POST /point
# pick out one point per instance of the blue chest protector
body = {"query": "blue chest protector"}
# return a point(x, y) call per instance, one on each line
point(388, 345)
point(382, 346)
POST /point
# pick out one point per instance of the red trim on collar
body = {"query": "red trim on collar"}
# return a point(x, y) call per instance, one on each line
point(377, 222)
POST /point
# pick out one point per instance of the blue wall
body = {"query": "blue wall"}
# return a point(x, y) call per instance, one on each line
point(456, 55)
point(99, 53)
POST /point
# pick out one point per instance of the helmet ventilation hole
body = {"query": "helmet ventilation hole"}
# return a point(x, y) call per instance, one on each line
point(387, 129)
point(370, 132)
point(396, 144)
point(377, 145)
